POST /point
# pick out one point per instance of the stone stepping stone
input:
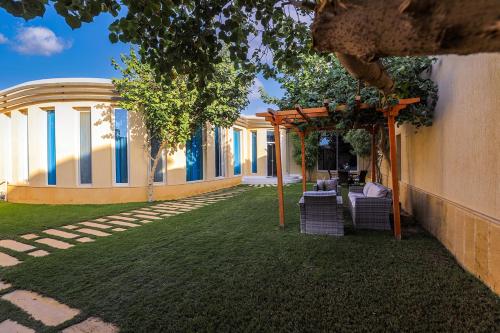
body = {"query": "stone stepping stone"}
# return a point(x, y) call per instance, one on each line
point(147, 217)
point(94, 232)
point(124, 224)
point(7, 261)
point(92, 325)
point(169, 211)
point(126, 214)
point(15, 245)
point(59, 233)
point(29, 236)
point(85, 240)
point(45, 309)
point(95, 225)
point(100, 220)
point(145, 221)
point(119, 229)
point(39, 253)
point(70, 227)
point(147, 212)
point(4, 285)
point(10, 326)
point(54, 243)
point(123, 218)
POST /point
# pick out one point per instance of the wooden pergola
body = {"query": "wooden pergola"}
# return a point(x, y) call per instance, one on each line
point(300, 119)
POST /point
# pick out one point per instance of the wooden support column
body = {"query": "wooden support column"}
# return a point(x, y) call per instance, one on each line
point(279, 172)
point(391, 122)
point(303, 153)
point(374, 155)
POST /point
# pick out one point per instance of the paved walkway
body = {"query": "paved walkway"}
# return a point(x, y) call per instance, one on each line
point(52, 313)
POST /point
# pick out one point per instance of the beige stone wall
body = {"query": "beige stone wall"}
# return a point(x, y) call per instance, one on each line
point(450, 175)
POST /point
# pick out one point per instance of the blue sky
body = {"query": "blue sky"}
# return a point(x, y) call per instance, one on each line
point(47, 48)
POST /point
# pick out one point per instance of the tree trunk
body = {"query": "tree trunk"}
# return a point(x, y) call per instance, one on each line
point(372, 29)
point(151, 178)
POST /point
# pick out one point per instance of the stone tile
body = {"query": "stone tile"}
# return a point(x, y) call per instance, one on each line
point(119, 229)
point(148, 212)
point(101, 220)
point(10, 326)
point(94, 232)
point(124, 224)
point(15, 245)
point(169, 211)
point(45, 309)
point(70, 227)
point(7, 261)
point(123, 218)
point(29, 236)
point(145, 221)
point(54, 243)
point(85, 240)
point(167, 215)
point(59, 233)
point(147, 217)
point(126, 214)
point(4, 285)
point(95, 225)
point(39, 253)
point(92, 325)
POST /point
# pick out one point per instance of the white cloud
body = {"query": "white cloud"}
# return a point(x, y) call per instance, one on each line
point(3, 39)
point(39, 41)
point(254, 93)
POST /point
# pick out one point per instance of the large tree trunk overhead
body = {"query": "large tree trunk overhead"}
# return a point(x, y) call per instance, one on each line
point(370, 29)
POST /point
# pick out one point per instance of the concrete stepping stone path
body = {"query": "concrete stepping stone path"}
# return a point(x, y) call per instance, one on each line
point(92, 325)
point(39, 253)
point(95, 225)
point(100, 220)
point(124, 224)
point(15, 245)
point(57, 244)
point(147, 217)
point(4, 285)
point(94, 232)
point(85, 240)
point(10, 326)
point(45, 309)
point(119, 229)
point(59, 233)
point(70, 227)
point(29, 236)
point(123, 218)
point(7, 261)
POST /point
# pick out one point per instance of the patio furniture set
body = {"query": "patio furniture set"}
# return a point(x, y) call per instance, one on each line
point(321, 210)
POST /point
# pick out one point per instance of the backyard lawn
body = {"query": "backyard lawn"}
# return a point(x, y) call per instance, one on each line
point(228, 267)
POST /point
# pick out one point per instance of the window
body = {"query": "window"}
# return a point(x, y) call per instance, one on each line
point(51, 148)
point(121, 146)
point(155, 147)
point(254, 152)
point(237, 151)
point(85, 148)
point(220, 154)
point(194, 156)
point(334, 153)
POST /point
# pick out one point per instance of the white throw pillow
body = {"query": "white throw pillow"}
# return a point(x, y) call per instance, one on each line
point(377, 191)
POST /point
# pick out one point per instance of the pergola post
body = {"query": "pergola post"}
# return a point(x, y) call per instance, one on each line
point(374, 155)
point(302, 135)
point(391, 122)
point(279, 172)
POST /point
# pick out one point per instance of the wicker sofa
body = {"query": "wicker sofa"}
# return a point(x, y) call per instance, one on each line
point(321, 213)
point(370, 206)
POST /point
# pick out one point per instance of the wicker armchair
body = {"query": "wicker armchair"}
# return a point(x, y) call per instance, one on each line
point(321, 213)
point(334, 185)
point(370, 212)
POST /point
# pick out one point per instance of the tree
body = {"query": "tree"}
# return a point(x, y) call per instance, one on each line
point(186, 37)
point(311, 151)
point(360, 141)
point(171, 111)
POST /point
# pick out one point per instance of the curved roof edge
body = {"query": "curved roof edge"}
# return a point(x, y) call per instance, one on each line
point(57, 81)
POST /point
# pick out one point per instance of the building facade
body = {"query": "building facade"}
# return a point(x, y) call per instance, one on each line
point(67, 141)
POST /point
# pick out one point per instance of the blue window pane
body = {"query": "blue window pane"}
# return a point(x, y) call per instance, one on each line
point(85, 148)
point(51, 148)
point(121, 149)
point(155, 147)
point(237, 157)
point(254, 152)
point(194, 156)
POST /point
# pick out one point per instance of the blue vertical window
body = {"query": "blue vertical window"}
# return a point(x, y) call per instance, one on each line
point(51, 147)
point(85, 148)
point(194, 156)
point(121, 146)
point(155, 147)
point(254, 152)
point(237, 152)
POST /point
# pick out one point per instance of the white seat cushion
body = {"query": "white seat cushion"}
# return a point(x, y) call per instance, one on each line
point(377, 191)
point(353, 196)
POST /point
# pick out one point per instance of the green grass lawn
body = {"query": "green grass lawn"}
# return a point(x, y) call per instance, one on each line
point(17, 219)
point(228, 267)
